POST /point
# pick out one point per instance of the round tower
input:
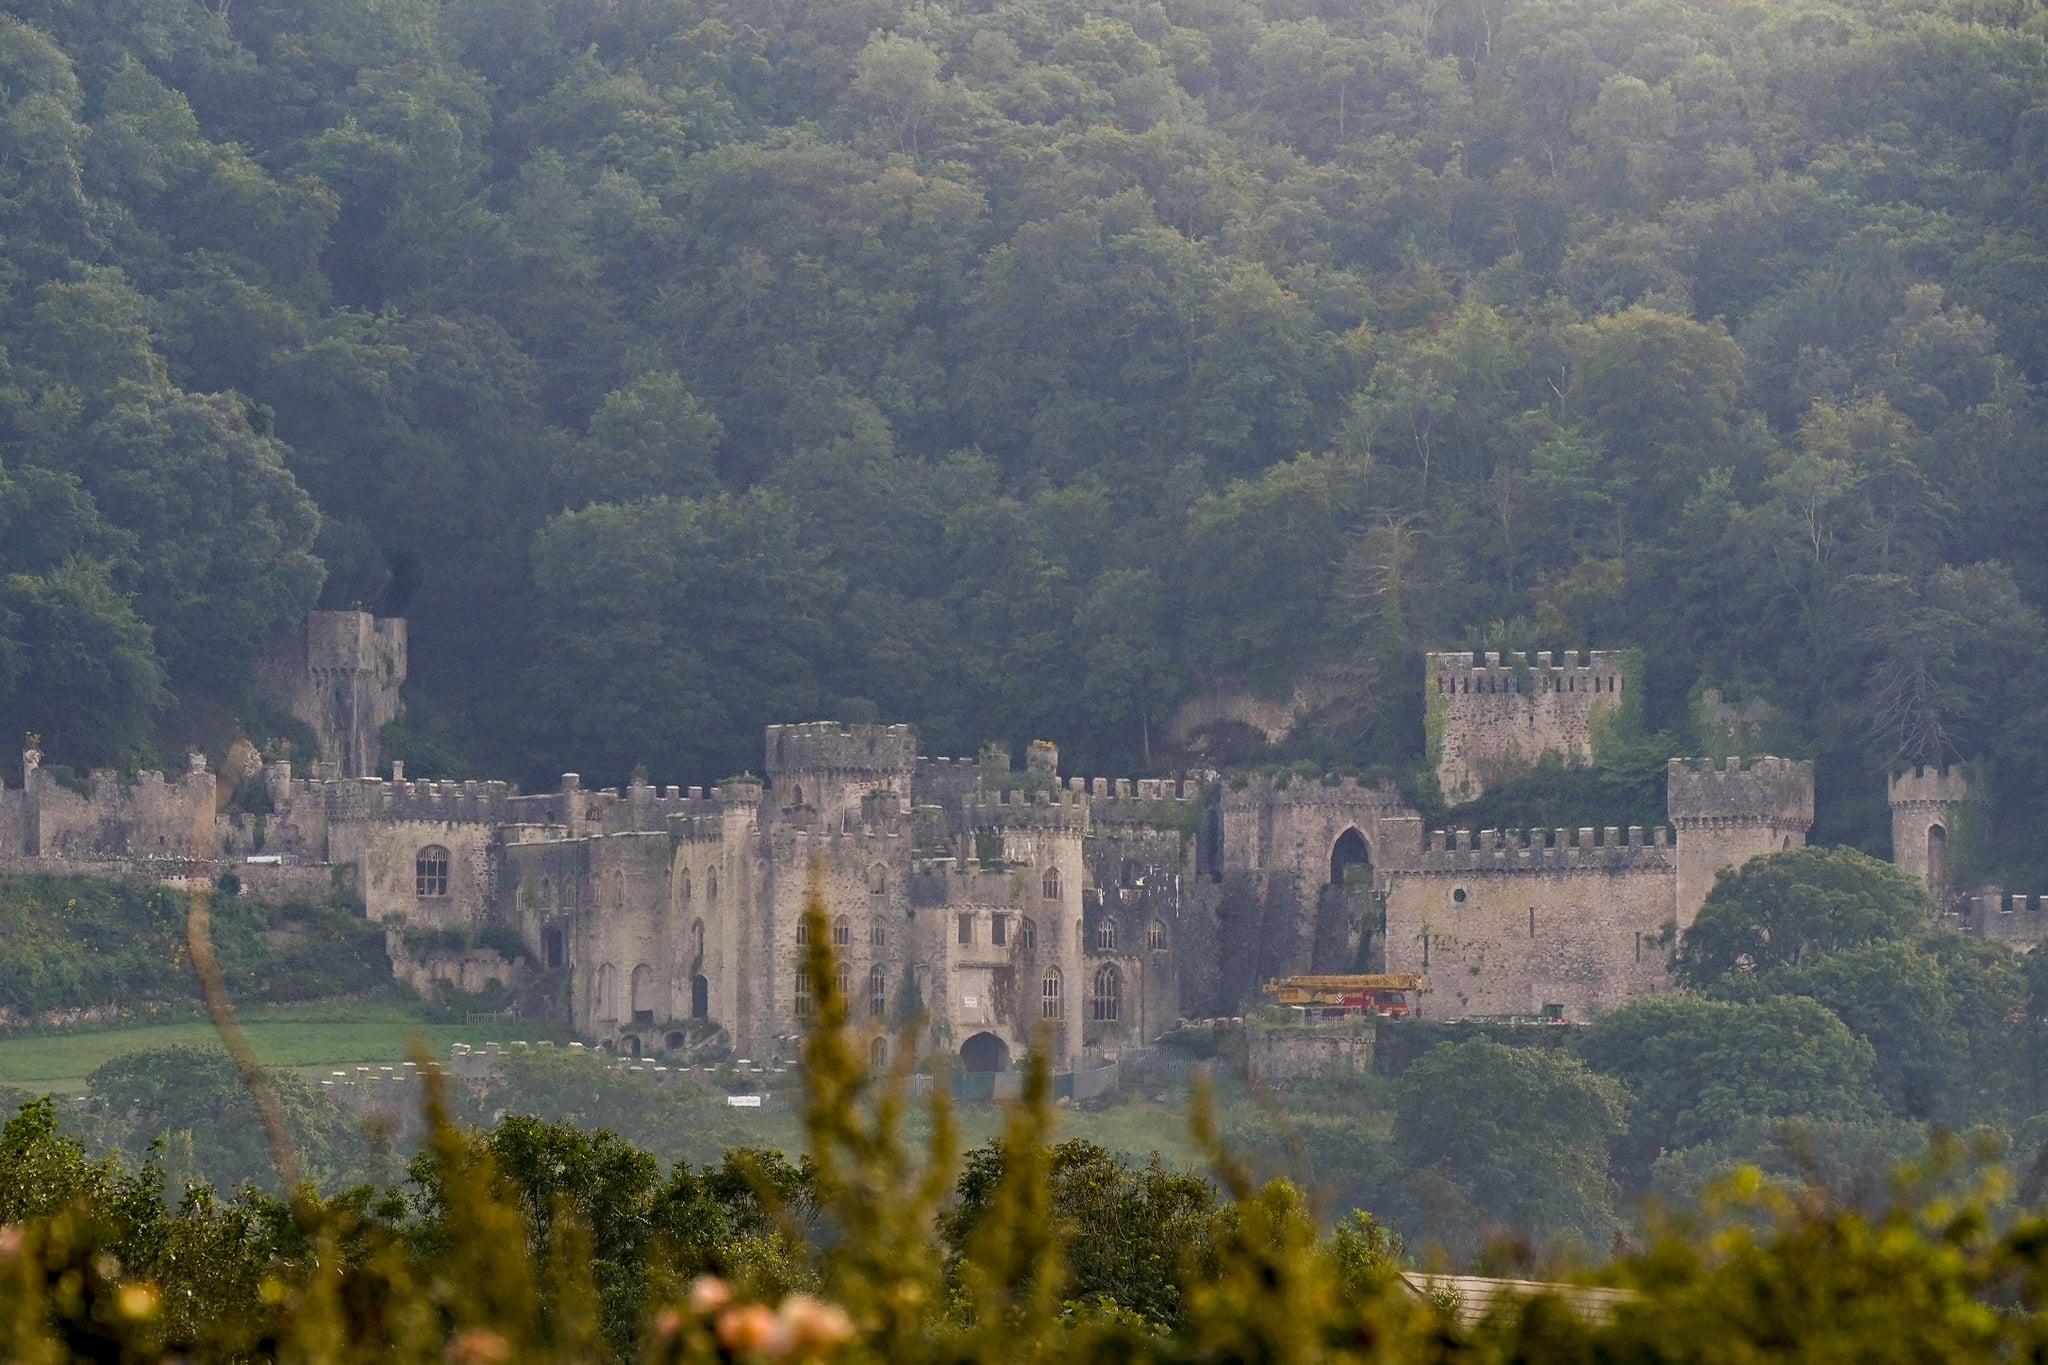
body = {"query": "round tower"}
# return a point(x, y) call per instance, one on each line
point(1924, 805)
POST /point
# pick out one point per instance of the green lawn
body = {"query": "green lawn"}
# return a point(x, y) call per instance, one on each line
point(295, 1036)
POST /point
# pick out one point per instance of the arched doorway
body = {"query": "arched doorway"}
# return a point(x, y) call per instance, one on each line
point(1346, 920)
point(700, 997)
point(985, 1052)
point(1349, 851)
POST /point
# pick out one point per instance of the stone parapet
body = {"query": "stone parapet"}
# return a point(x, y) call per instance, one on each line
point(1544, 850)
point(827, 747)
point(1705, 792)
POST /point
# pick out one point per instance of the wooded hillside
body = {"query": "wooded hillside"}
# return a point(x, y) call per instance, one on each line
point(1023, 368)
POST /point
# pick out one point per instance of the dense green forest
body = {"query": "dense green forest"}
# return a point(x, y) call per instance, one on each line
point(1024, 367)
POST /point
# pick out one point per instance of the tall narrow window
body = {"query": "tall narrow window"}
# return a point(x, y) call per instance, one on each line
point(967, 931)
point(878, 937)
point(1027, 934)
point(803, 932)
point(711, 885)
point(1155, 939)
point(803, 994)
point(842, 982)
point(1051, 884)
point(430, 871)
point(878, 1053)
point(1109, 995)
point(1049, 996)
point(686, 886)
point(1105, 936)
point(999, 930)
point(878, 991)
point(697, 940)
point(842, 931)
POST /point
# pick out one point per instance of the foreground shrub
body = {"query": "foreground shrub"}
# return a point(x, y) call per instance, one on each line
point(536, 1242)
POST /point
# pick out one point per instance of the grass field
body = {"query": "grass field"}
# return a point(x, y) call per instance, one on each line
point(310, 1036)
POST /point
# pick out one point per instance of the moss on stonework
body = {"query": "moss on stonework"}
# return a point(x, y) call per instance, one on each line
point(1433, 725)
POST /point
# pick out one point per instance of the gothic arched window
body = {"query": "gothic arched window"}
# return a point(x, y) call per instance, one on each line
point(1109, 994)
point(1049, 996)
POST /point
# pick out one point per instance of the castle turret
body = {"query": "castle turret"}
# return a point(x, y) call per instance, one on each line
point(830, 767)
point(1726, 814)
point(1924, 805)
point(1490, 720)
point(341, 675)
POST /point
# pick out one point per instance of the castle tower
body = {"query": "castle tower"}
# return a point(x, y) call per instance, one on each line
point(999, 988)
point(1924, 805)
point(1727, 814)
point(341, 676)
point(829, 768)
point(1489, 720)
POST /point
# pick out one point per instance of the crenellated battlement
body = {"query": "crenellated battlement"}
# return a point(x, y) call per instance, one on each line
point(829, 747)
point(1291, 790)
point(1546, 850)
point(1705, 792)
point(369, 798)
point(1929, 786)
point(697, 828)
point(2020, 921)
point(1057, 808)
point(2006, 903)
point(1463, 673)
point(1491, 718)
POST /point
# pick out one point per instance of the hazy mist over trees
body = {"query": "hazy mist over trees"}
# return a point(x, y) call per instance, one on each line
point(1021, 369)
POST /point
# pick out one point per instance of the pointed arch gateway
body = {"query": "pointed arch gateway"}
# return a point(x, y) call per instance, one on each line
point(1350, 851)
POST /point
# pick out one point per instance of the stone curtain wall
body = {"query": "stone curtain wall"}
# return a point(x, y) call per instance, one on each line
point(1506, 923)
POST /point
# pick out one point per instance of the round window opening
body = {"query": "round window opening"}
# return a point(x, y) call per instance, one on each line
point(1458, 896)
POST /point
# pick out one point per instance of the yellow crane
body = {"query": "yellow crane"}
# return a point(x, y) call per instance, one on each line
point(1379, 992)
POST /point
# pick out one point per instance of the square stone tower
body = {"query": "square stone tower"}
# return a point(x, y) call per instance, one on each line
point(341, 675)
point(1490, 720)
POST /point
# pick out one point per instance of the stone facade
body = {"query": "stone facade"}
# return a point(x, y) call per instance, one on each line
point(1925, 803)
point(2020, 922)
point(1012, 910)
point(340, 674)
point(1489, 719)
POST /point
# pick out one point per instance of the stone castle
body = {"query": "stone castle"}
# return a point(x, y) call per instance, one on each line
point(1011, 908)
